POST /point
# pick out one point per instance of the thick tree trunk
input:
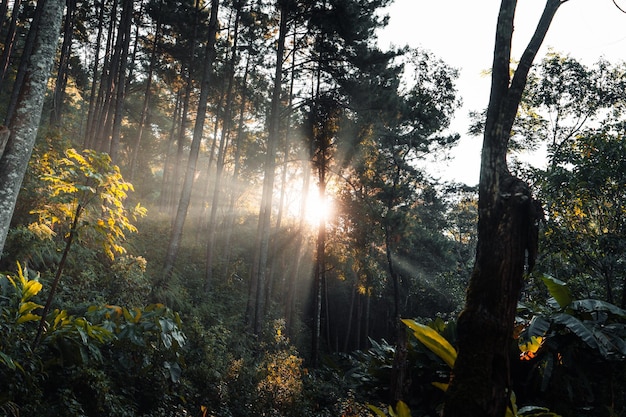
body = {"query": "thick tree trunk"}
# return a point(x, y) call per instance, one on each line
point(27, 115)
point(507, 239)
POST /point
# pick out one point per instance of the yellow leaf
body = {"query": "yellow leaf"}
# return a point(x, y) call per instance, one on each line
point(31, 288)
point(28, 317)
point(433, 341)
point(28, 307)
point(441, 385)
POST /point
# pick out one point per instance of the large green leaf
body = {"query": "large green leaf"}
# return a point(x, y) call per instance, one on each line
point(591, 305)
point(578, 328)
point(558, 290)
point(433, 341)
point(538, 327)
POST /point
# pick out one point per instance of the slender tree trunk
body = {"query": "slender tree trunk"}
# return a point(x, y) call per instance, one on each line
point(123, 43)
point(61, 80)
point(101, 125)
point(182, 132)
point(89, 139)
point(234, 192)
point(183, 205)
point(23, 67)
point(264, 227)
point(507, 238)
point(299, 248)
point(167, 182)
point(319, 276)
point(9, 41)
point(145, 108)
point(57, 276)
point(27, 115)
point(219, 169)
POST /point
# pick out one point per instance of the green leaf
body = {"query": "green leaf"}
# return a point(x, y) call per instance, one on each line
point(538, 327)
point(578, 328)
point(591, 305)
point(8, 361)
point(433, 341)
point(558, 290)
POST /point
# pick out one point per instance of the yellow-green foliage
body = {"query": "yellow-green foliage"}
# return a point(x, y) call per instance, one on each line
point(88, 186)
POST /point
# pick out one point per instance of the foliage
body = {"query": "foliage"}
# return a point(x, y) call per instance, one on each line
point(75, 369)
point(88, 185)
point(554, 342)
point(584, 239)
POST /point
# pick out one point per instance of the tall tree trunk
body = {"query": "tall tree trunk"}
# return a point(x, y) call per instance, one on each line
point(183, 205)
point(167, 182)
point(27, 115)
point(147, 96)
point(299, 248)
point(23, 68)
point(259, 272)
point(234, 191)
point(507, 239)
point(66, 49)
point(101, 125)
point(123, 43)
point(182, 131)
point(89, 139)
point(219, 169)
point(9, 40)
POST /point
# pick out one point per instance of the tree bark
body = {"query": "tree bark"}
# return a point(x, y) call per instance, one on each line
point(27, 115)
point(185, 197)
point(61, 80)
point(89, 139)
point(258, 273)
point(221, 156)
point(122, 46)
point(147, 95)
point(23, 67)
point(507, 240)
point(9, 41)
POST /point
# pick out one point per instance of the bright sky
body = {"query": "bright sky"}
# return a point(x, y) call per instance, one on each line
point(462, 33)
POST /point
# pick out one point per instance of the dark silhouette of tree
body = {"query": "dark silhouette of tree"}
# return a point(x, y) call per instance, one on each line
point(507, 239)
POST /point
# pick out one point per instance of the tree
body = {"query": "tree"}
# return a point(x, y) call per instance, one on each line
point(185, 196)
point(25, 122)
point(507, 238)
point(584, 192)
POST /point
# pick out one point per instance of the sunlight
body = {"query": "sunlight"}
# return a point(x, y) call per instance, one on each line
point(318, 208)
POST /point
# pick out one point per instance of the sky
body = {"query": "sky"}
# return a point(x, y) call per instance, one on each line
point(462, 34)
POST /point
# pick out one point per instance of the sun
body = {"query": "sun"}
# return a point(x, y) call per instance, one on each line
point(318, 208)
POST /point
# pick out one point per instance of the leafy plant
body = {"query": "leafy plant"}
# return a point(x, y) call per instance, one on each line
point(570, 344)
point(86, 193)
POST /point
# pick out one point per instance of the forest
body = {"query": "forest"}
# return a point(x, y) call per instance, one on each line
point(224, 208)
